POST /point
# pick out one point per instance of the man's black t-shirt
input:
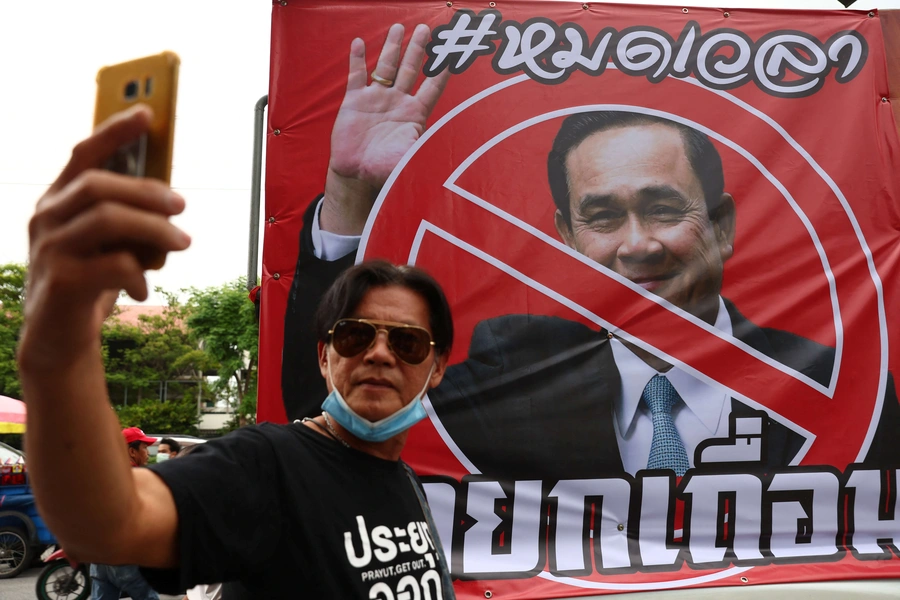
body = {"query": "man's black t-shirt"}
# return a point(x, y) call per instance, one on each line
point(291, 513)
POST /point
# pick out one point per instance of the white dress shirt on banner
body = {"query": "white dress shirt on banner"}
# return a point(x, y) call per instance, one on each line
point(703, 414)
point(331, 246)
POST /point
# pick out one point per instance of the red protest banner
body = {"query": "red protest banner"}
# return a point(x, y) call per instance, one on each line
point(608, 193)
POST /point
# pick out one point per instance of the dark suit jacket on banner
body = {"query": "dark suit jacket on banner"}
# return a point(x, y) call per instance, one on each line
point(534, 399)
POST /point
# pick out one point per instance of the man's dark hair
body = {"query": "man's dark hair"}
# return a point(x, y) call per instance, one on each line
point(172, 444)
point(702, 155)
point(136, 445)
point(345, 294)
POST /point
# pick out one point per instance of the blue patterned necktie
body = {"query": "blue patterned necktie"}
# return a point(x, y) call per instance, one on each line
point(666, 450)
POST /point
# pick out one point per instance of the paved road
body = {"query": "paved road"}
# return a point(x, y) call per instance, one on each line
point(22, 587)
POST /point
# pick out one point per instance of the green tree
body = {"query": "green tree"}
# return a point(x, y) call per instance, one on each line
point(224, 320)
point(215, 331)
point(154, 416)
point(12, 296)
point(155, 369)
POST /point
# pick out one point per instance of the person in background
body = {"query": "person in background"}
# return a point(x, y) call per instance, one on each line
point(137, 442)
point(108, 582)
point(168, 448)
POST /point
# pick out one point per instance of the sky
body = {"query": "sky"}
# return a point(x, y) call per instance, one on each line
point(51, 52)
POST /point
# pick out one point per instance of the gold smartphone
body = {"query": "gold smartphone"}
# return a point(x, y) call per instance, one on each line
point(152, 80)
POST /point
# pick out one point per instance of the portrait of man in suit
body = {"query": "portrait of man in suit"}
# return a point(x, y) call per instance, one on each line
point(542, 397)
point(644, 197)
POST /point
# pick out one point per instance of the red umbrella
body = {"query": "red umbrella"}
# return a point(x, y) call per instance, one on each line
point(12, 415)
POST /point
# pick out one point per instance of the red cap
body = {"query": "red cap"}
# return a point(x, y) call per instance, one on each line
point(134, 434)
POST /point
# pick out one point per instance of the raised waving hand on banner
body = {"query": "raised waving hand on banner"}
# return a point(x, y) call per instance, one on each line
point(375, 126)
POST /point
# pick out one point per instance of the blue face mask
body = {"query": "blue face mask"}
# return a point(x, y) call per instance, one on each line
point(374, 431)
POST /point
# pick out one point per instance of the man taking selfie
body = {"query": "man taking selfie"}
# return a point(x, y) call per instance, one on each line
point(324, 506)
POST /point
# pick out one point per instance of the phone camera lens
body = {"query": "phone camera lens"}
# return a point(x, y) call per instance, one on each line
point(131, 90)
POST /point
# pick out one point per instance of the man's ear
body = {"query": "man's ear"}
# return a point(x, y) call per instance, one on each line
point(723, 220)
point(564, 229)
point(440, 367)
point(322, 349)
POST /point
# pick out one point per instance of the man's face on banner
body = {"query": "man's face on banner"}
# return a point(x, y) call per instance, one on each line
point(637, 207)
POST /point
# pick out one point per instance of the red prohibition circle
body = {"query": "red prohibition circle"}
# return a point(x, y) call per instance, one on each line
point(423, 204)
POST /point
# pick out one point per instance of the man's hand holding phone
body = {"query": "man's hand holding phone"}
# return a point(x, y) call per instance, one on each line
point(93, 234)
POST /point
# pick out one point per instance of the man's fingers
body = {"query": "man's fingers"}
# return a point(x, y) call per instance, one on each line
point(67, 283)
point(92, 152)
point(116, 271)
point(390, 53)
point(107, 302)
point(357, 78)
point(95, 185)
point(412, 59)
point(110, 227)
point(431, 89)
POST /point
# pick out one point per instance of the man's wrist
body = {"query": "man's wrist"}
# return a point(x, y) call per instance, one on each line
point(347, 204)
point(327, 245)
point(64, 343)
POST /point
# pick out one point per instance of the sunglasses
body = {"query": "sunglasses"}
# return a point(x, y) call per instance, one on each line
point(409, 343)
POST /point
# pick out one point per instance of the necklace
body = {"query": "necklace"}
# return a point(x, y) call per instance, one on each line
point(332, 431)
point(329, 428)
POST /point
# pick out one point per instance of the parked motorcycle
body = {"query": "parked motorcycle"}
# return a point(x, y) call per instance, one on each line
point(62, 579)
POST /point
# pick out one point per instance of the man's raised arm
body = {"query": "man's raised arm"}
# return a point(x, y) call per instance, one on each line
point(89, 238)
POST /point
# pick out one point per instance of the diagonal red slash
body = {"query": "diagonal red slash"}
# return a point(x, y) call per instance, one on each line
point(416, 194)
